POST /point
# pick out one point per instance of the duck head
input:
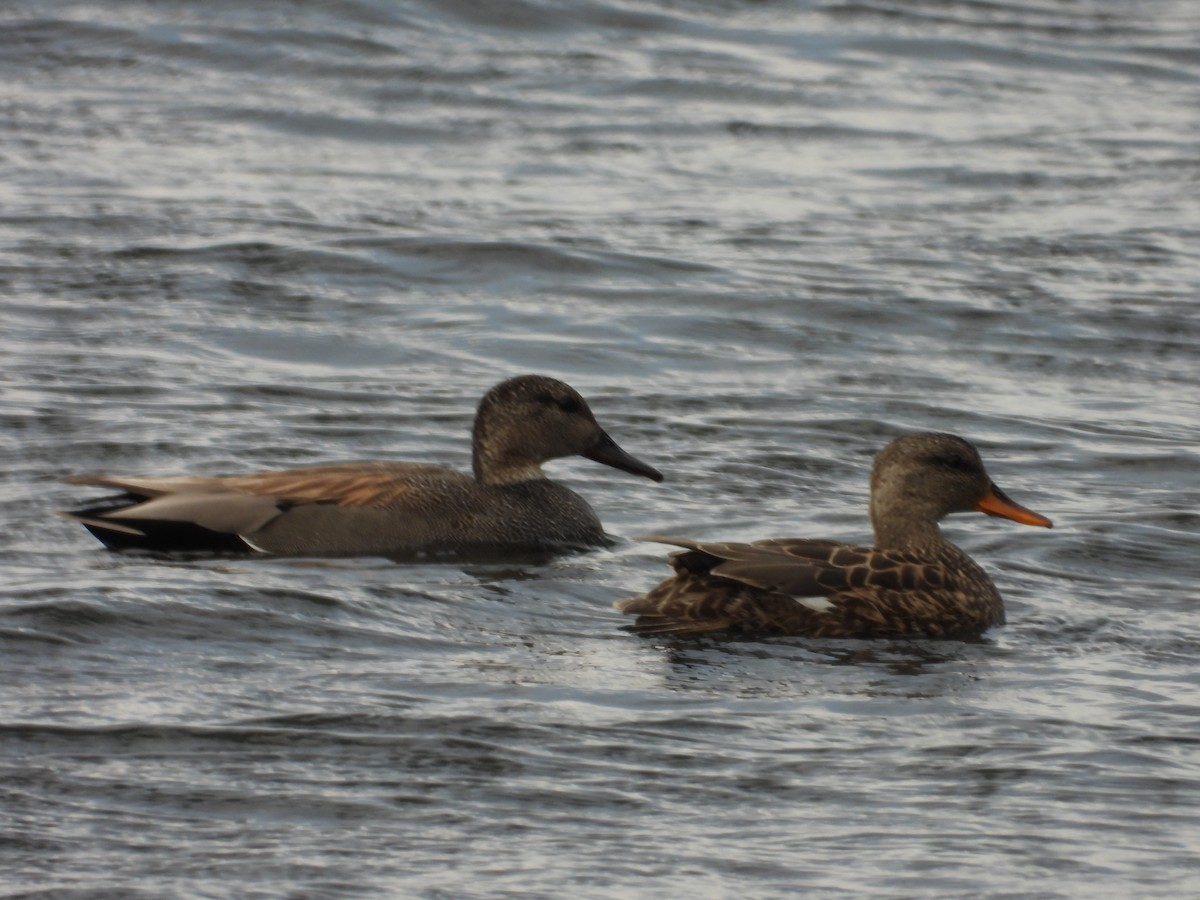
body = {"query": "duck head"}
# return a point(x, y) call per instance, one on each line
point(920, 478)
point(531, 419)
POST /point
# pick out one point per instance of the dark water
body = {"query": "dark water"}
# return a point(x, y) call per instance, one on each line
point(762, 238)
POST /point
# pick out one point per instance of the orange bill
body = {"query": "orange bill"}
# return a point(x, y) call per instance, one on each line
point(997, 503)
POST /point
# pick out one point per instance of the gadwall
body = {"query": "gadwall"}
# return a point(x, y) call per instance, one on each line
point(391, 509)
point(911, 582)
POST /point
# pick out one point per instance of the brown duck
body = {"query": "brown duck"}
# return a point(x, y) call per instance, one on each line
point(385, 508)
point(911, 582)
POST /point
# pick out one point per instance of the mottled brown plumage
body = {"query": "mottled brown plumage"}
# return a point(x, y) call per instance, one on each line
point(384, 508)
point(911, 582)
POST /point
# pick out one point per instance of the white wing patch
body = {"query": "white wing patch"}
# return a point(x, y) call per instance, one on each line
point(253, 546)
point(816, 604)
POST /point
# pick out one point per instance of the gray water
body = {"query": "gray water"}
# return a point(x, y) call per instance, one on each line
point(762, 238)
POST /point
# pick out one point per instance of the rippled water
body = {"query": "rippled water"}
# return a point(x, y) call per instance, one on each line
point(761, 238)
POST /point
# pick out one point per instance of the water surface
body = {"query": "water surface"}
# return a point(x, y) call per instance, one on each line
point(761, 238)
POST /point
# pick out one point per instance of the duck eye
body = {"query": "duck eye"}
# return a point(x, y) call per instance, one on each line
point(955, 461)
point(565, 402)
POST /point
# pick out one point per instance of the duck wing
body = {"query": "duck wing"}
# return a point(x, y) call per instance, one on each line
point(804, 587)
point(371, 484)
point(216, 514)
point(802, 567)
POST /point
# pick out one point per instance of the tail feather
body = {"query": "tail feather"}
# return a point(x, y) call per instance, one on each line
point(663, 625)
point(656, 615)
point(92, 523)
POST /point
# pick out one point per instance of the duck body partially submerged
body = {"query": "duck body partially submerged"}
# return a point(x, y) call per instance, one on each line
point(394, 509)
point(911, 581)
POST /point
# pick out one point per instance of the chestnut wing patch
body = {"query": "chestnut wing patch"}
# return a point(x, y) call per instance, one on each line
point(379, 485)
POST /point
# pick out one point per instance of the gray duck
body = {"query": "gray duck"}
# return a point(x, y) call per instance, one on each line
point(912, 581)
point(394, 509)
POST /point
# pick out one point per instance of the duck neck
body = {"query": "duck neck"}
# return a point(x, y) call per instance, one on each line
point(493, 467)
point(898, 535)
point(904, 525)
point(509, 473)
